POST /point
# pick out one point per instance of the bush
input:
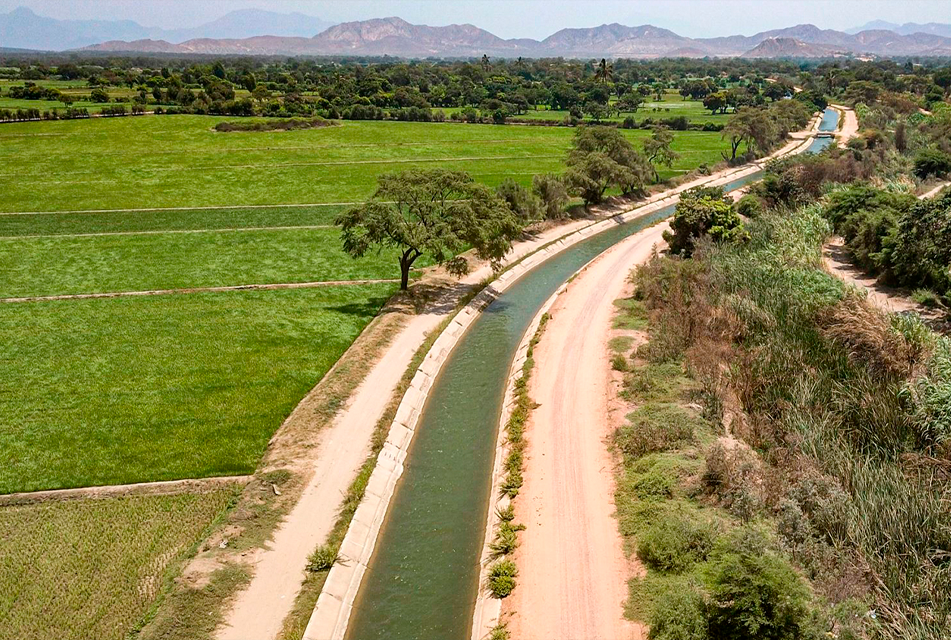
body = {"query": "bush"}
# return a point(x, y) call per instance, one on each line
point(525, 204)
point(656, 427)
point(703, 211)
point(932, 162)
point(502, 578)
point(677, 541)
point(679, 613)
point(749, 206)
point(323, 558)
point(754, 591)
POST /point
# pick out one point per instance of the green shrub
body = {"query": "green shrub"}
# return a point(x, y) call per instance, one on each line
point(619, 363)
point(323, 558)
point(754, 591)
point(749, 206)
point(552, 193)
point(679, 613)
point(932, 162)
point(676, 541)
point(502, 578)
point(703, 211)
point(656, 427)
point(525, 204)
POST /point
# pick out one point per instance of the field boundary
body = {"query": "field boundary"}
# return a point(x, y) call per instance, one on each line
point(331, 616)
point(159, 488)
point(163, 292)
point(303, 227)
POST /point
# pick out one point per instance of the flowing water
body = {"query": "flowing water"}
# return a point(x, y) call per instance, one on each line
point(423, 578)
point(829, 123)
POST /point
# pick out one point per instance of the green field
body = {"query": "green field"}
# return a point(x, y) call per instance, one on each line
point(68, 265)
point(193, 385)
point(179, 161)
point(87, 569)
point(178, 386)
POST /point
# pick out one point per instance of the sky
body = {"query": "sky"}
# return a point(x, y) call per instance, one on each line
point(523, 18)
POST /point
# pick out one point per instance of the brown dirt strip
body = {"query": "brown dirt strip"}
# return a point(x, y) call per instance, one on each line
point(163, 488)
point(164, 232)
point(935, 191)
point(162, 292)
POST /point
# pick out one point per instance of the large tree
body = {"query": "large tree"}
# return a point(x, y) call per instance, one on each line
point(601, 158)
point(658, 151)
point(703, 211)
point(753, 126)
point(438, 213)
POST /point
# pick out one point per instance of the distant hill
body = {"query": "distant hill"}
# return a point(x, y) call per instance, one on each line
point(256, 32)
point(790, 48)
point(906, 29)
point(22, 28)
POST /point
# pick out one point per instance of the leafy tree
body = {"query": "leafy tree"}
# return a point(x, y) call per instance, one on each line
point(630, 102)
point(552, 193)
point(438, 213)
point(601, 158)
point(715, 102)
point(752, 126)
point(99, 95)
point(703, 211)
point(658, 151)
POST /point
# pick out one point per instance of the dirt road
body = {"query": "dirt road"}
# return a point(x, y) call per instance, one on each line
point(259, 610)
point(849, 125)
point(572, 568)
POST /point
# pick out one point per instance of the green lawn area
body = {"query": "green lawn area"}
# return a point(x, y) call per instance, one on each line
point(179, 161)
point(110, 391)
point(77, 570)
point(65, 265)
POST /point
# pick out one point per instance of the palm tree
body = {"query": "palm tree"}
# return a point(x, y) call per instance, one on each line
point(485, 62)
point(605, 71)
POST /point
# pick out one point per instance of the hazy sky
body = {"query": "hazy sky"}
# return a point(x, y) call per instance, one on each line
point(524, 18)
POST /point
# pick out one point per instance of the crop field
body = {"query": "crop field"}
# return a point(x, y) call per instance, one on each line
point(118, 390)
point(194, 384)
point(86, 569)
point(180, 161)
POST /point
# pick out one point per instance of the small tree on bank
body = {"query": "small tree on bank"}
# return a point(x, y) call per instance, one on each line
point(438, 213)
point(703, 211)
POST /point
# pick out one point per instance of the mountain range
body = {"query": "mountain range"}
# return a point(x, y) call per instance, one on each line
point(24, 29)
point(254, 32)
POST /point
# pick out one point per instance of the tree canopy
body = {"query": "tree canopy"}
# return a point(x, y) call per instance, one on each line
point(438, 213)
point(601, 158)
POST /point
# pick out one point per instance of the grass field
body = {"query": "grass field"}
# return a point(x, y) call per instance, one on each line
point(135, 389)
point(194, 385)
point(88, 569)
point(67, 265)
point(179, 161)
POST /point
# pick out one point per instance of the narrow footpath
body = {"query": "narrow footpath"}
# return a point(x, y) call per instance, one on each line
point(572, 567)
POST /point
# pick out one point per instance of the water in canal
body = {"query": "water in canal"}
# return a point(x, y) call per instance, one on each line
point(423, 578)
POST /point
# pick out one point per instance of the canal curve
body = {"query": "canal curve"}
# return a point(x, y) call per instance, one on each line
point(422, 581)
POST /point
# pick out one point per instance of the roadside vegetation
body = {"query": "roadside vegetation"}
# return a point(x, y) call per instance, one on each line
point(785, 464)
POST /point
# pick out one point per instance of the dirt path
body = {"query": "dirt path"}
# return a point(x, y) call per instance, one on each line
point(837, 260)
point(163, 232)
point(849, 126)
point(160, 488)
point(259, 611)
point(572, 567)
point(935, 191)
